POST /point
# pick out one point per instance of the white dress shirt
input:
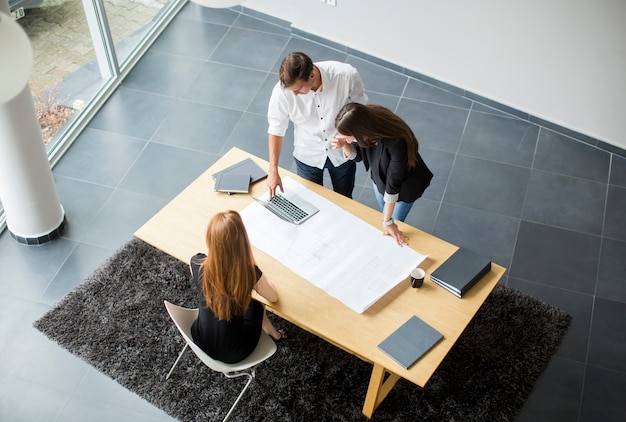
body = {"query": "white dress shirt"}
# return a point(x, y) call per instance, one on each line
point(313, 114)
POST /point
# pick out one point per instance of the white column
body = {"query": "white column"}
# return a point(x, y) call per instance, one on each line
point(33, 212)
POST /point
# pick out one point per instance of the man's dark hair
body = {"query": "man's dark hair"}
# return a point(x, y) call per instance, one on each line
point(295, 67)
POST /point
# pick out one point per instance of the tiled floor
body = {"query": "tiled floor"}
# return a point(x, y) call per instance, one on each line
point(548, 208)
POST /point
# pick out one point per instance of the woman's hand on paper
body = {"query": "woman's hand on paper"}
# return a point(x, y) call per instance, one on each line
point(393, 231)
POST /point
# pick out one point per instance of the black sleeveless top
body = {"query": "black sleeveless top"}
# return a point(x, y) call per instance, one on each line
point(230, 341)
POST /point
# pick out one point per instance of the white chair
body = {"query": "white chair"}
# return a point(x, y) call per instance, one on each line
point(184, 317)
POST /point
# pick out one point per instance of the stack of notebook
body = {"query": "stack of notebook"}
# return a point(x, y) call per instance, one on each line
point(238, 177)
point(461, 271)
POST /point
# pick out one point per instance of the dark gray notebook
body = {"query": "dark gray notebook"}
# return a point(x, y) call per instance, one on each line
point(461, 271)
point(232, 183)
point(410, 342)
point(247, 166)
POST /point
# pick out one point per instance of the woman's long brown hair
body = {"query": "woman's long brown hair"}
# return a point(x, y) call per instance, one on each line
point(228, 274)
point(371, 123)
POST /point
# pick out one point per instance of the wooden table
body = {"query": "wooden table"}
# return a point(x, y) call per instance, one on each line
point(179, 228)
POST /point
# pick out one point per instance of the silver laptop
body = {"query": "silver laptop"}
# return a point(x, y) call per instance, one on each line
point(289, 207)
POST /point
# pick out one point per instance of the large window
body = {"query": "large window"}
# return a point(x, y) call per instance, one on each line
point(81, 49)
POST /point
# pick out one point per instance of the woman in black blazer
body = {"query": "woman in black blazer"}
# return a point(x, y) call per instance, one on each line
point(389, 150)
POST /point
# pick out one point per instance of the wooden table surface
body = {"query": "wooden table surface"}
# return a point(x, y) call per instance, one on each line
point(178, 229)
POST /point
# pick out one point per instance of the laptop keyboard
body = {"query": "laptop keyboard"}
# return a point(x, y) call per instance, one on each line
point(288, 207)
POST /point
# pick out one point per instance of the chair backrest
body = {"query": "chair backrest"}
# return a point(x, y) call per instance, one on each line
point(184, 317)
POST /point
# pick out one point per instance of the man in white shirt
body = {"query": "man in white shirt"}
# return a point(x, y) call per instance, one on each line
point(310, 95)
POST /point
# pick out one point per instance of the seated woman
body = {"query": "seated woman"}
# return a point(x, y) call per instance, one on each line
point(230, 321)
point(389, 149)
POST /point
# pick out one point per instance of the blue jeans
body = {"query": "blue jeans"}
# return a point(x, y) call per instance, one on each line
point(401, 209)
point(342, 176)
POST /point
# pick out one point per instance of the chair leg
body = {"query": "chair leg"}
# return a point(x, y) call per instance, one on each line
point(250, 376)
point(176, 363)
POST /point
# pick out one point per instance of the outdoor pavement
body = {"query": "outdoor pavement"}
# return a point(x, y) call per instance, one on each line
point(61, 40)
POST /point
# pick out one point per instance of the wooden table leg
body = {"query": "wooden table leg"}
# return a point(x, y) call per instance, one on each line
point(378, 388)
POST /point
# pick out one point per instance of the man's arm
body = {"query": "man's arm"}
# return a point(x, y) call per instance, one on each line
point(275, 145)
point(357, 89)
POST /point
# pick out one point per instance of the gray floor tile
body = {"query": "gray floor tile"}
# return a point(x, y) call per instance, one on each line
point(614, 226)
point(497, 138)
point(17, 398)
point(578, 305)
point(16, 316)
point(362, 176)
point(556, 257)
point(608, 335)
point(482, 108)
point(100, 157)
point(556, 396)
point(122, 215)
point(260, 101)
point(559, 154)
point(78, 410)
point(423, 216)
point(437, 127)
point(317, 52)
point(604, 396)
point(365, 195)
point(612, 268)
point(418, 90)
point(33, 357)
point(26, 271)
point(163, 73)
point(81, 201)
point(385, 100)
point(487, 186)
point(488, 234)
point(227, 86)
point(164, 171)
point(248, 22)
point(250, 49)
point(250, 134)
point(76, 268)
point(440, 164)
point(133, 113)
point(618, 171)
point(104, 392)
point(564, 201)
point(189, 38)
point(198, 127)
point(379, 79)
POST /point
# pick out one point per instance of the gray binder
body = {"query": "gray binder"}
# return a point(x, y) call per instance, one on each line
point(461, 271)
point(247, 166)
point(232, 183)
point(410, 342)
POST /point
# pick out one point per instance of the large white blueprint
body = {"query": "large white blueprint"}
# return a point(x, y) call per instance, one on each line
point(336, 251)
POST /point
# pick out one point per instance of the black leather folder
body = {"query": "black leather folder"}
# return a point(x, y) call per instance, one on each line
point(461, 271)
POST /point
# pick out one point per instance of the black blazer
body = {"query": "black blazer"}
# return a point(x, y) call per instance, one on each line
point(387, 165)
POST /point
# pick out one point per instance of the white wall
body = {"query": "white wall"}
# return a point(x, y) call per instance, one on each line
point(560, 60)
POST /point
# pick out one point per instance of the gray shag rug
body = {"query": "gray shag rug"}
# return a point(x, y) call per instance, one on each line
point(120, 326)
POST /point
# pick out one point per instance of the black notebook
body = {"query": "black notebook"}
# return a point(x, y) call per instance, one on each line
point(461, 271)
point(410, 342)
point(247, 166)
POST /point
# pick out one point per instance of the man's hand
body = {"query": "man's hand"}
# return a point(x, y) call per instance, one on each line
point(273, 181)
